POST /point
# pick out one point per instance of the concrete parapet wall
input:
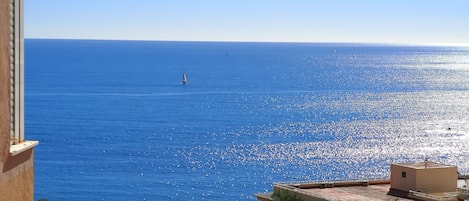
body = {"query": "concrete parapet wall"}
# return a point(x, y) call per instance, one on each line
point(321, 191)
point(341, 184)
point(302, 195)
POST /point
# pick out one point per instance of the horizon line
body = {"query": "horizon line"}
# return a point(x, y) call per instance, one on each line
point(443, 44)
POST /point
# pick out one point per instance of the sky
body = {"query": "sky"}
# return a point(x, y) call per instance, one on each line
point(365, 21)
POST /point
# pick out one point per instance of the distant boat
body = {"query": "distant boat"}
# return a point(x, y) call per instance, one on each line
point(184, 78)
point(354, 56)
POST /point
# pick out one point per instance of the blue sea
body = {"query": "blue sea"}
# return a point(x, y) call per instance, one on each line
point(115, 123)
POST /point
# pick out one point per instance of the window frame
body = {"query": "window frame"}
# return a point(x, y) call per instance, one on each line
point(16, 72)
point(18, 144)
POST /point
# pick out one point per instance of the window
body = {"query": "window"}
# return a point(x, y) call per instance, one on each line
point(404, 174)
point(17, 142)
point(16, 72)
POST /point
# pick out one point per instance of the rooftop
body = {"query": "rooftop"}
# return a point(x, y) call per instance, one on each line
point(346, 190)
point(423, 165)
point(441, 183)
point(370, 191)
point(356, 191)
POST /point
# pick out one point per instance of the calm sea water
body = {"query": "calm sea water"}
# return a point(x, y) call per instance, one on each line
point(115, 123)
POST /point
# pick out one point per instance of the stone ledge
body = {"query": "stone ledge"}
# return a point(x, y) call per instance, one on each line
point(22, 147)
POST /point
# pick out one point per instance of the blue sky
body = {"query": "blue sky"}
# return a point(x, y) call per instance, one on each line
point(370, 21)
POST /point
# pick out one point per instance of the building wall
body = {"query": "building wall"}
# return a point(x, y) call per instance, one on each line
point(437, 180)
point(16, 172)
point(4, 80)
point(429, 180)
point(17, 177)
point(403, 183)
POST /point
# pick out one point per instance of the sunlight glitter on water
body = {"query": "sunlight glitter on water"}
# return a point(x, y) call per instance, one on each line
point(391, 128)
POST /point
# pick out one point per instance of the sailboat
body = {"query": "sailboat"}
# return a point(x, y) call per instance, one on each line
point(184, 78)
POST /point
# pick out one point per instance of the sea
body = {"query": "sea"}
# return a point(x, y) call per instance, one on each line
point(115, 122)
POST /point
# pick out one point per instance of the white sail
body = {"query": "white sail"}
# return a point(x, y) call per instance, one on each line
point(184, 78)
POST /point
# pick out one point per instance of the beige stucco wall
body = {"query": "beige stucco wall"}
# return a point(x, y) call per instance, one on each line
point(437, 180)
point(400, 183)
point(16, 172)
point(428, 180)
point(4, 79)
point(17, 177)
